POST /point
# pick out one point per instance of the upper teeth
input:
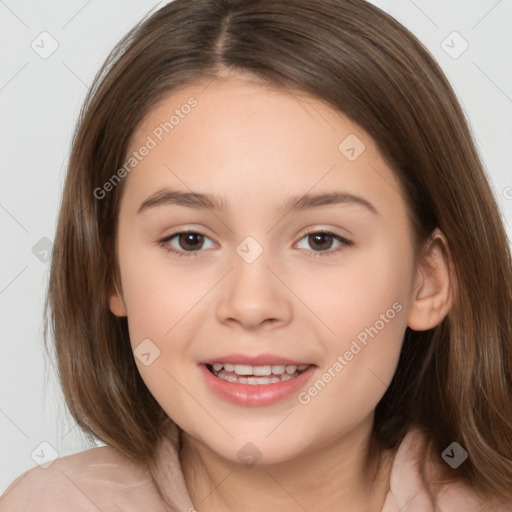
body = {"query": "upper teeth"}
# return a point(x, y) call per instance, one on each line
point(245, 369)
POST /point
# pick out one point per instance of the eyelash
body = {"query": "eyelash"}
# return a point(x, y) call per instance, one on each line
point(344, 243)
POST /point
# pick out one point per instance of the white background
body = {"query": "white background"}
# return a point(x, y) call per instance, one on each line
point(39, 104)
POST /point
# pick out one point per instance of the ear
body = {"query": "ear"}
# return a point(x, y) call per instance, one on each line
point(434, 285)
point(116, 302)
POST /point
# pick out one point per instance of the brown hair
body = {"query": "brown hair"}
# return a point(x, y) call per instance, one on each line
point(455, 379)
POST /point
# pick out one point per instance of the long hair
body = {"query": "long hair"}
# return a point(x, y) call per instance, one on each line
point(455, 379)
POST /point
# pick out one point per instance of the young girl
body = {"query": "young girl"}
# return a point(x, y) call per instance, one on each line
point(280, 280)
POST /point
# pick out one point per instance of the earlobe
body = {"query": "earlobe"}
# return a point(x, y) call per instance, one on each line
point(116, 302)
point(432, 295)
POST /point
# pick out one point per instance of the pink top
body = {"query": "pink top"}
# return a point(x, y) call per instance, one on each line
point(103, 479)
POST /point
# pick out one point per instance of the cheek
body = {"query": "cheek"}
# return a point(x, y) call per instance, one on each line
point(160, 299)
point(357, 373)
point(364, 304)
point(158, 306)
point(354, 295)
point(158, 293)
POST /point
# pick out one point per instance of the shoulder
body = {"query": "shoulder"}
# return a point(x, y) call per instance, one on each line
point(421, 477)
point(99, 478)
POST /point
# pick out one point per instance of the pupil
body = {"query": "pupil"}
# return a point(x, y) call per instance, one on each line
point(185, 238)
point(319, 236)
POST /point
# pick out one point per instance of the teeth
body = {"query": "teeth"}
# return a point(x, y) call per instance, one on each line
point(247, 374)
point(259, 371)
point(278, 369)
point(242, 369)
point(262, 370)
point(254, 380)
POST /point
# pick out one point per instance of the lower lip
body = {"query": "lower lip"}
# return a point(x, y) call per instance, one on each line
point(255, 395)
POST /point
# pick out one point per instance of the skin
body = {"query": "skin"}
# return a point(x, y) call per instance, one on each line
point(256, 146)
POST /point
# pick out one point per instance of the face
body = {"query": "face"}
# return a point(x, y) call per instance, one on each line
point(326, 286)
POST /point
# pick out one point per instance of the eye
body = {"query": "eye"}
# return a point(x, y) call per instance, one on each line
point(323, 241)
point(190, 242)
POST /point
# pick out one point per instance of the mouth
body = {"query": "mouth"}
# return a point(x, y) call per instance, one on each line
point(251, 380)
point(256, 375)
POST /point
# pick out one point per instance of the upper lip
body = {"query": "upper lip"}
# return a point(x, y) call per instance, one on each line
point(253, 360)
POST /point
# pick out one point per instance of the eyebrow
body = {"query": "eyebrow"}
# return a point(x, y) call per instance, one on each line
point(168, 197)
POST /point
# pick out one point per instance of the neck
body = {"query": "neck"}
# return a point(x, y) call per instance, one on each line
point(327, 477)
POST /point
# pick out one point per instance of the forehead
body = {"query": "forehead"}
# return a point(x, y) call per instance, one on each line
point(237, 136)
point(228, 113)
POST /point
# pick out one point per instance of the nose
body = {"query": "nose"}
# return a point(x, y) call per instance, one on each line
point(254, 294)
